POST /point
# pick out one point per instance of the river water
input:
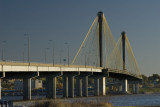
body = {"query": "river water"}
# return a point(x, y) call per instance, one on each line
point(136, 100)
point(117, 100)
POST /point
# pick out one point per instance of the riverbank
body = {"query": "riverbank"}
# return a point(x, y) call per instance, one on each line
point(149, 90)
point(58, 103)
point(135, 100)
point(53, 103)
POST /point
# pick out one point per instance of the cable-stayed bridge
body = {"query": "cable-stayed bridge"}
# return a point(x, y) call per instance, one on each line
point(98, 57)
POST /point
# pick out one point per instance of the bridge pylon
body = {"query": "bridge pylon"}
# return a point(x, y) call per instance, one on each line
point(125, 81)
point(123, 48)
point(100, 22)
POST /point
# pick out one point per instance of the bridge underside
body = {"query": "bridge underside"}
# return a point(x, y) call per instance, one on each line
point(121, 75)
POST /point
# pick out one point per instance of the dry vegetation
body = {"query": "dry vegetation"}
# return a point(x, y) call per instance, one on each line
point(57, 103)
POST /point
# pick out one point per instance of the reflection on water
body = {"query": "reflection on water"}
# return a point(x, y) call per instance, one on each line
point(136, 100)
point(119, 100)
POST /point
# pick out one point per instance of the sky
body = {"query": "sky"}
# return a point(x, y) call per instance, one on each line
point(68, 21)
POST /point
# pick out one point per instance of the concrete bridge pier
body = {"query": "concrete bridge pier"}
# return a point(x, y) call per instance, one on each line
point(0, 88)
point(136, 88)
point(65, 86)
point(51, 78)
point(110, 87)
point(124, 85)
point(133, 88)
point(99, 84)
point(79, 87)
point(26, 88)
point(2, 75)
point(51, 87)
point(96, 86)
point(68, 84)
point(120, 88)
point(71, 86)
point(82, 83)
point(85, 86)
point(102, 86)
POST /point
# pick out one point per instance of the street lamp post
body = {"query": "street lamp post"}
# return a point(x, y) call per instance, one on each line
point(23, 53)
point(53, 51)
point(3, 43)
point(23, 56)
point(45, 55)
point(60, 58)
point(68, 52)
point(27, 35)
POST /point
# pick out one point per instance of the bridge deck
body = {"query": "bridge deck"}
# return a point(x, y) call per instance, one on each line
point(34, 67)
point(39, 67)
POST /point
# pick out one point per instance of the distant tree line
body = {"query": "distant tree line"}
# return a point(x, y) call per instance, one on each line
point(151, 81)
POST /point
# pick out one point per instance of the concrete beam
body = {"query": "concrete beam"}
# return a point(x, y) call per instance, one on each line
point(20, 75)
point(53, 74)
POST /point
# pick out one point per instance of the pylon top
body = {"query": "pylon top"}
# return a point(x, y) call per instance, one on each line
point(123, 33)
point(99, 13)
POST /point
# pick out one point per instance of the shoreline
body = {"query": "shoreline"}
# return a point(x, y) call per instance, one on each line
point(128, 100)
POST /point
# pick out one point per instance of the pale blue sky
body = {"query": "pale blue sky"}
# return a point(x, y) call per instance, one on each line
point(69, 20)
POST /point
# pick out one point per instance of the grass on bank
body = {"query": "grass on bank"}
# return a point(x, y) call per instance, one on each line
point(151, 90)
point(57, 103)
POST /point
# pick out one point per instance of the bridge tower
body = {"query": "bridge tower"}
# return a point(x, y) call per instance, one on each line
point(99, 81)
point(124, 81)
point(100, 21)
point(123, 49)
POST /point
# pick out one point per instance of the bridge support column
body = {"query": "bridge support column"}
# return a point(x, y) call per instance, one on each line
point(71, 86)
point(79, 87)
point(110, 88)
point(96, 86)
point(26, 88)
point(136, 88)
point(125, 86)
point(65, 86)
point(120, 88)
point(51, 87)
point(51, 78)
point(102, 86)
point(133, 88)
point(85, 86)
point(68, 83)
point(0, 88)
